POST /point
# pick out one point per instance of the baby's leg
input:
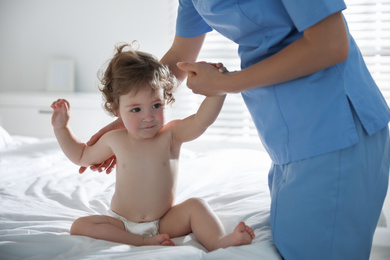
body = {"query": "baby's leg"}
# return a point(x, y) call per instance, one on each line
point(112, 229)
point(195, 215)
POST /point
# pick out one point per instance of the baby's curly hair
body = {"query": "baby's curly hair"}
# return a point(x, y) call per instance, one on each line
point(132, 70)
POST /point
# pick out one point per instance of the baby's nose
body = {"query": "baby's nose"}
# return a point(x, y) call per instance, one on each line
point(148, 117)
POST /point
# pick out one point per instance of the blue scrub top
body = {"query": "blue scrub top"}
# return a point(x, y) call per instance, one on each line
point(305, 117)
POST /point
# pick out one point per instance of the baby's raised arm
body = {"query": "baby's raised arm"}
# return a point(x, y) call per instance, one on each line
point(195, 125)
point(75, 149)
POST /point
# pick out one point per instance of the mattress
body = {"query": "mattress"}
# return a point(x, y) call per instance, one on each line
point(42, 193)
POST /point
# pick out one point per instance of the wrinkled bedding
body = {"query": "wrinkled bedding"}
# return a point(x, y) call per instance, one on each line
point(41, 194)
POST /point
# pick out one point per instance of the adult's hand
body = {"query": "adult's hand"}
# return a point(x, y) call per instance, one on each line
point(204, 78)
point(109, 164)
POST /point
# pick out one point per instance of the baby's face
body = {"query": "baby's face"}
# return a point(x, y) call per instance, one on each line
point(142, 113)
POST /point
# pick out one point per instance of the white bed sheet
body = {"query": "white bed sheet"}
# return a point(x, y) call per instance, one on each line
point(41, 194)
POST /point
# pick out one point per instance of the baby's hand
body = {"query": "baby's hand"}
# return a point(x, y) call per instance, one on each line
point(218, 65)
point(60, 116)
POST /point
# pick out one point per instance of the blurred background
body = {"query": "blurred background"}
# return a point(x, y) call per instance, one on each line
point(34, 32)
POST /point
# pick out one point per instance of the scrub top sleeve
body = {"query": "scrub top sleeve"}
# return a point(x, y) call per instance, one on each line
point(189, 23)
point(306, 13)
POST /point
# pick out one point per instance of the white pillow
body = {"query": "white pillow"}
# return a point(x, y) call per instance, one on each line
point(5, 138)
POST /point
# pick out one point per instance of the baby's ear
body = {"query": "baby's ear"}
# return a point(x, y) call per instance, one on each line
point(116, 113)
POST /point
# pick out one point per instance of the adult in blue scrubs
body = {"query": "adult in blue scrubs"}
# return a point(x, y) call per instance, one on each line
point(318, 113)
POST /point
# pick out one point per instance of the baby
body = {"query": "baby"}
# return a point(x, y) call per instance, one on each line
point(136, 88)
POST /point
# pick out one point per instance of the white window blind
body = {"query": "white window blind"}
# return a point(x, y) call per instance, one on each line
point(369, 23)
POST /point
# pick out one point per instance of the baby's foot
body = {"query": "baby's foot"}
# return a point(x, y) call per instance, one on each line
point(241, 235)
point(159, 240)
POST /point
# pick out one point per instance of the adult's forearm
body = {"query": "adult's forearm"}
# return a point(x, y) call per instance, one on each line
point(182, 49)
point(170, 59)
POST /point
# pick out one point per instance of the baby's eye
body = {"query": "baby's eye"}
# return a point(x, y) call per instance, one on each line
point(157, 105)
point(135, 110)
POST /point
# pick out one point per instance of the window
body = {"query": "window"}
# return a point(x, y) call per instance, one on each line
point(369, 23)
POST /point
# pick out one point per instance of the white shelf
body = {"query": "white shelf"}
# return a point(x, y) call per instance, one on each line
point(29, 113)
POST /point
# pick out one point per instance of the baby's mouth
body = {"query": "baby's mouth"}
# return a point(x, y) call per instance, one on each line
point(149, 127)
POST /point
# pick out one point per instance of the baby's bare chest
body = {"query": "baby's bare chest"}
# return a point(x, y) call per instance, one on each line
point(150, 161)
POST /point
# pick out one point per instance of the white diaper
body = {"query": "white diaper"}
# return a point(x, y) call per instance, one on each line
point(145, 229)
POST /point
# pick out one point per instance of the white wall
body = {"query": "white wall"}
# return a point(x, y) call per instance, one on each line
point(34, 31)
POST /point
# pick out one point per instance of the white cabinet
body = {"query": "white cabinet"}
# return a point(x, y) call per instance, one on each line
point(29, 113)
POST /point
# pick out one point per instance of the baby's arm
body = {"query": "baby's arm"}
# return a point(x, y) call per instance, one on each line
point(195, 125)
point(76, 150)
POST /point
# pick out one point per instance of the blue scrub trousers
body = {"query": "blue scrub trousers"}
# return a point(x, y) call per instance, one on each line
point(327, 207)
